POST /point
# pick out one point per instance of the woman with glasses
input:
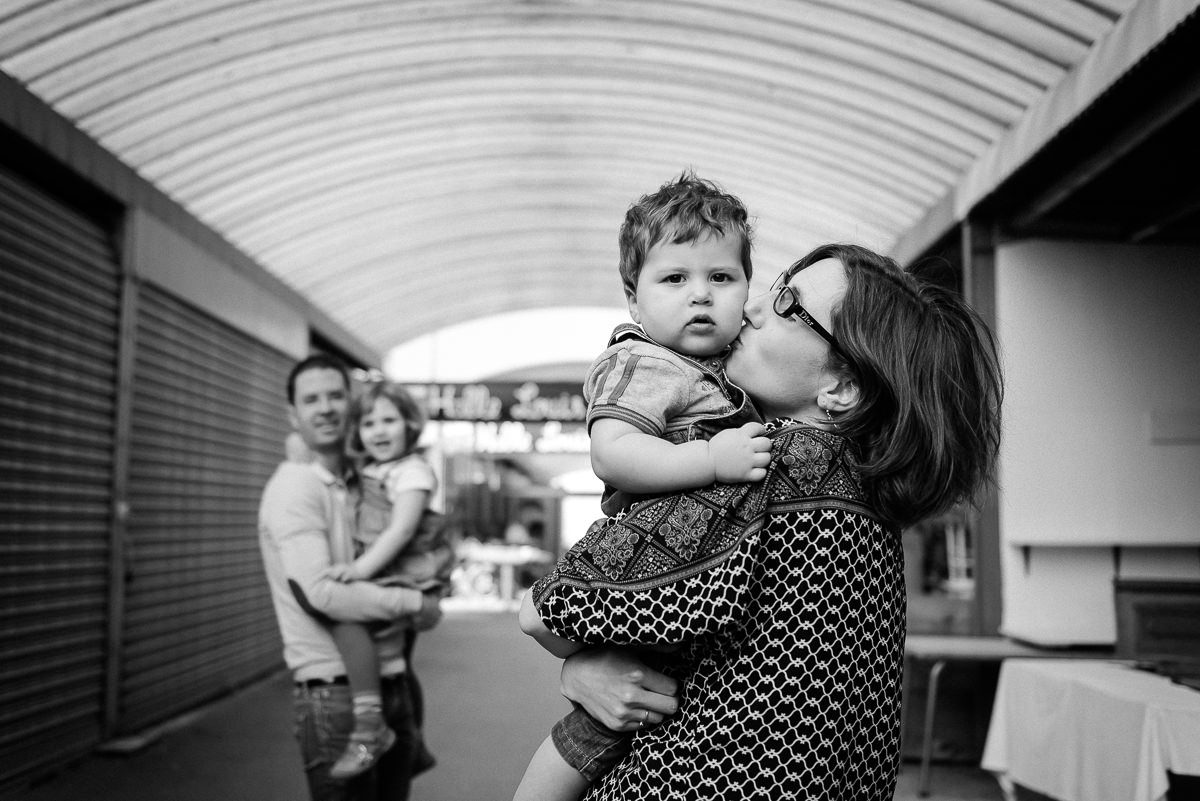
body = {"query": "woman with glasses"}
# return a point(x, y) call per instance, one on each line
point(785, 598)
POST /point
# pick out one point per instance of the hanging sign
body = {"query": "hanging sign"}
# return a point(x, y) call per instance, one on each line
point(502, 401)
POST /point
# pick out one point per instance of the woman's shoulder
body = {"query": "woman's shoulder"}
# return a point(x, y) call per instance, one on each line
point(785, 428)
point(814, 462)
point(790, 436)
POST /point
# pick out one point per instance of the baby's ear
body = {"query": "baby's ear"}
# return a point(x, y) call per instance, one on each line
point(631, 302)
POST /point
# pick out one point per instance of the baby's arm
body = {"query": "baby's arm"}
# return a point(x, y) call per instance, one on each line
point(634, 461)
point(407, 508)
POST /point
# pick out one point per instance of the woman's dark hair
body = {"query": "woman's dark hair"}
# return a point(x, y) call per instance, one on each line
point(410, 410)
point(927, 426)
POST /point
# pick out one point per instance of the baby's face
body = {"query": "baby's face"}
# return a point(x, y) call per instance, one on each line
point(690, 296)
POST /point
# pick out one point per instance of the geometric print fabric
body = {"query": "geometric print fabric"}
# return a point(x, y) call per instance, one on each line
point(786, 598)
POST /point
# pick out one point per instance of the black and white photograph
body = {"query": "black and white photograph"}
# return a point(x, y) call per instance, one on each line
point(600, 400)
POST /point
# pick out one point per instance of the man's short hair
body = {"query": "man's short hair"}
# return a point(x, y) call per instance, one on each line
point(681, 211)
point(317, 361)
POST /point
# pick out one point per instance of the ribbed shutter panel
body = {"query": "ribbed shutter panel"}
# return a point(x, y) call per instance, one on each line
point(59, 308)
point(207, 431)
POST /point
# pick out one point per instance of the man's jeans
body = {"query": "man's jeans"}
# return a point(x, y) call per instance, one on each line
point(323, 720)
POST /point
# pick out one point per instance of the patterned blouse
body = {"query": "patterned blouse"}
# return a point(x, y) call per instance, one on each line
point(788, 598)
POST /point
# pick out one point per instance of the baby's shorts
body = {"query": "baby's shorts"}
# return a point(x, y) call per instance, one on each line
point(588, 746)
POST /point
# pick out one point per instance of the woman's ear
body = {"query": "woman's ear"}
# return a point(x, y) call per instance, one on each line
point(839, 395)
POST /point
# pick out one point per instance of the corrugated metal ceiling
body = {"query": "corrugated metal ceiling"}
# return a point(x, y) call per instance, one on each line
point(410, 165)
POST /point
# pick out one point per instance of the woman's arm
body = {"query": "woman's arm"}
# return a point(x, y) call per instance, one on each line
point(532, 625)
point(671, 570)
point(618, 689)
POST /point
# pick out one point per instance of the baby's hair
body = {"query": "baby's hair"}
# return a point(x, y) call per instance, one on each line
point(410, 410)
point(681, 211)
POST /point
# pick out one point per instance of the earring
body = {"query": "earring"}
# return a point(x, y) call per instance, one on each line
point(829, 417)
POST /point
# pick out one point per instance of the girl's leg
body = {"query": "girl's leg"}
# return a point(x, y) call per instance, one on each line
point(354, 643)
point(371, 736)
point(549, 777)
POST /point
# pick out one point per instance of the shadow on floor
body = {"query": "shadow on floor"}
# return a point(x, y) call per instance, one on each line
point(491, 694)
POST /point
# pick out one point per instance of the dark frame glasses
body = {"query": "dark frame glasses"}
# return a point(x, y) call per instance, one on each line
point(787, 304)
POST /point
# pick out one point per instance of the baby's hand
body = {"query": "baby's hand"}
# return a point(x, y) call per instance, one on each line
point(344, 573)
point(740, 454)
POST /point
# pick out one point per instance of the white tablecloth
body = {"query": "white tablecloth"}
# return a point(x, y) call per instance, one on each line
point(1084, 730)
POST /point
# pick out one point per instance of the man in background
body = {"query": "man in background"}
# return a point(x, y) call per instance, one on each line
point(305, 526)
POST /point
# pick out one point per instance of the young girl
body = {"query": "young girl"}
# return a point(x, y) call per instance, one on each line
point(398, 541)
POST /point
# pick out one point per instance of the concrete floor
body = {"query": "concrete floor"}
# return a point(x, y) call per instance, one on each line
point(491, 697)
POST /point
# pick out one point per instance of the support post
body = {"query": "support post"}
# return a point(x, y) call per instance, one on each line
point(979, 288)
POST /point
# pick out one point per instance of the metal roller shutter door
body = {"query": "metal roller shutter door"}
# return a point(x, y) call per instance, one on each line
point(60, 295)
point(207, 430)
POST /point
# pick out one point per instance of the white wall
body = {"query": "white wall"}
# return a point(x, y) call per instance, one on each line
point(578, 513)
point(161, 255)
point(1101, 449)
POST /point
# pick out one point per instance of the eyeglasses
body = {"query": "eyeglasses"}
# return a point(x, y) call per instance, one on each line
point(788, 305)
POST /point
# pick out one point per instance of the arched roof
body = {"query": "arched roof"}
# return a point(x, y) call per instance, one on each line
point(412, 165)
